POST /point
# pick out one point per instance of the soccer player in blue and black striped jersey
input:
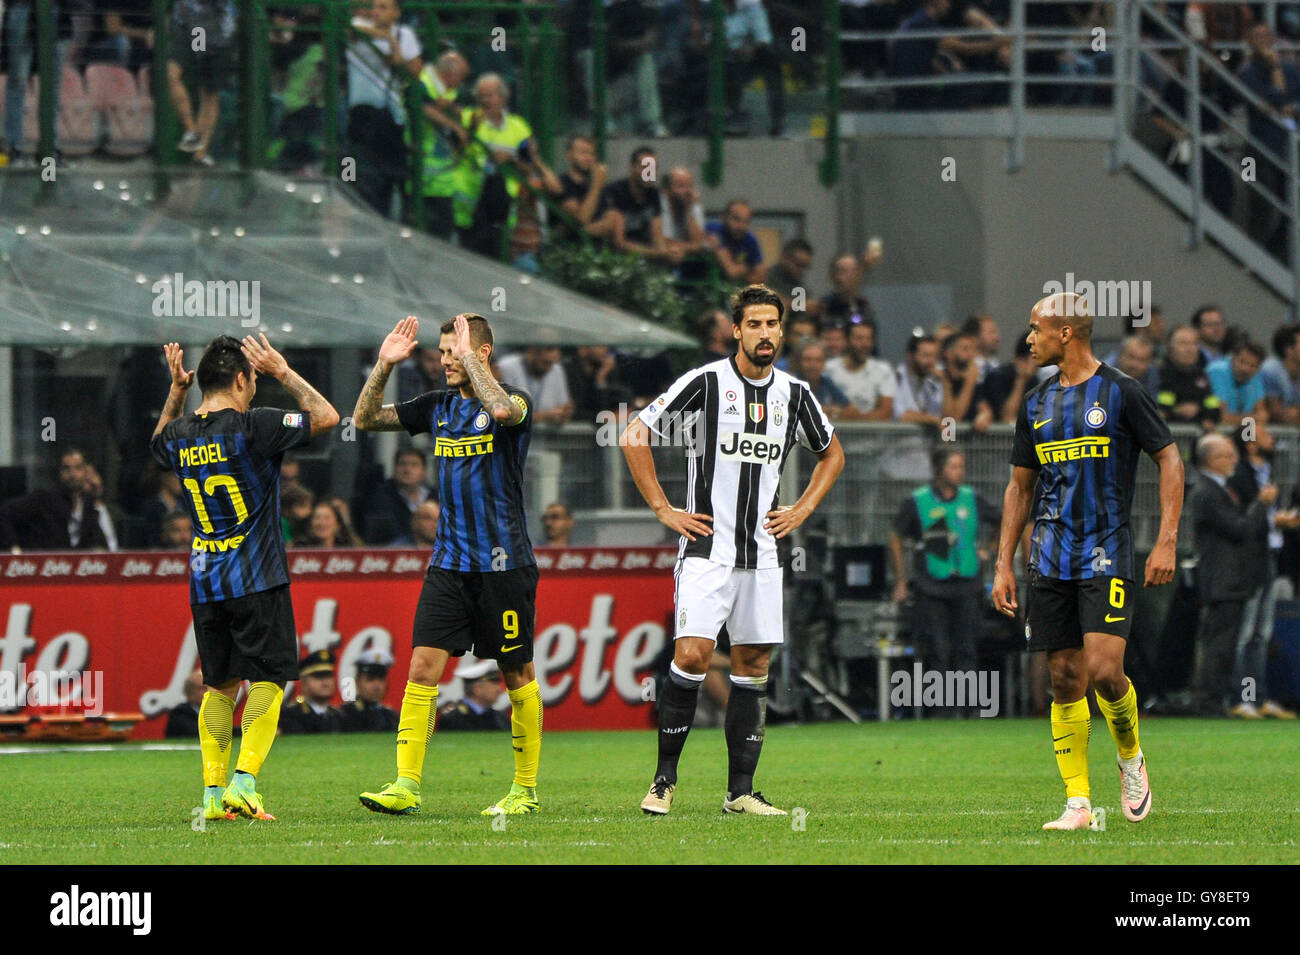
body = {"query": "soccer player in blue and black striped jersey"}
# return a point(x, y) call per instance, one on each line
point(480, 588)
point(1079, 436)
point(227, 456)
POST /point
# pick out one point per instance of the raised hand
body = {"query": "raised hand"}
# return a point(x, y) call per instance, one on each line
point(399, 344)
point(181, 378)
point(463, 345)
point(263, 357)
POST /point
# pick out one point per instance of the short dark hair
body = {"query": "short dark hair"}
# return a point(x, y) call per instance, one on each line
point(732, 203)
point(414, 452)
point(797, 245)
point(1284, 338)
point(568, 143)
point(639, 153)
point(952, 339)
point(939, 459)
point(1246, 344)
point(754, 295)
point(1196, 315)
point(806, 319)
point(480, 332)
point(221, 364)
point(916, 341)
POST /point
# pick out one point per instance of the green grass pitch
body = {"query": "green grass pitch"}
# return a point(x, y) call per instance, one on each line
point(922, 792)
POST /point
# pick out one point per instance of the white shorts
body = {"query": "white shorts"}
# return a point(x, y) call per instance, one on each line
point(709, 594)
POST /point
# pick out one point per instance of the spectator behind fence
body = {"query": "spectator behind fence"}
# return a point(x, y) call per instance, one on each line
point(845, 303)
point(330, 527)
point(583, 183)
point(1136, 357)
point(988, 339)
point(382, 57)
point(183, 718)
point(1255, 470)
point(311, 712)
point(105, 513)
point(423, 527)
point(61, 518)
point(1281, 376)
point(1278, 83)
point(940, 522)
point(787, 275)
point(481, 685)
point(867, 381)
point(176, 533)
point(636, 197)
point(927, 56)
point(296, 503)
point(209, 69)
point(739, 255)
point(751, 53)
point(718, 340)
point(387, 512)
point(557, 523)
point(920, 396)
point(538, 371)
point(499, 158)
point(19, 38)
point(631, 74)
point(536, 179)
point(595, 383)
point(1185, 394)
point(808, 363)
point(1212, 334)
point(960, 374)
point(442, 139)
point(366, 713)
point(1229, 565)
point(1237, 383)
point(679, 228)
point(128, 35)
point(998, 396)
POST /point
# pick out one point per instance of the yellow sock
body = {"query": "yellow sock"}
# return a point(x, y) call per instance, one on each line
point(414, 730)
point(526, 731)
point(261, 719)
point(1071, 727)
point(1122, 718)
point(216, 725)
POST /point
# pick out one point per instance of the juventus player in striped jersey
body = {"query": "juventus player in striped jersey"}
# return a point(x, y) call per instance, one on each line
point(739, 418)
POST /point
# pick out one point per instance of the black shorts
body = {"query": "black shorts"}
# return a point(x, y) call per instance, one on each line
point(1060, 612)
point(490, 613)
point(247, 638)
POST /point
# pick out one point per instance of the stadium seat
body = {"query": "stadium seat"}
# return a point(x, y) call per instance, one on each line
point(127, 109)
point(79, 125)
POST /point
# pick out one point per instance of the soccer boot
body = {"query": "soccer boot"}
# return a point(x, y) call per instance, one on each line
point(241, 799)
point(1077, 815)
point(752, 803)
point(1135, 789)
point(394, 799)
point(520, 801)
point(212, 809)
point(659, 799)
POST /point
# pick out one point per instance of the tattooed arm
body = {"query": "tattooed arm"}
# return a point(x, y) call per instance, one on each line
point(369, 415)
point(181, 381)
point(268, 361)
point(486, 388)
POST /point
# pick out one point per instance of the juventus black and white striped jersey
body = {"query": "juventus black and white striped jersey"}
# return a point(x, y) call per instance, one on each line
point(736, 434)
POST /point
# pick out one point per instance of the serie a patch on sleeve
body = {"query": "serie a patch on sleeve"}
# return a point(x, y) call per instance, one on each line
point(292, 420)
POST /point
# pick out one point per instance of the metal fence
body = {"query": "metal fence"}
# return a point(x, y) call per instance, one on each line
point(883, 464)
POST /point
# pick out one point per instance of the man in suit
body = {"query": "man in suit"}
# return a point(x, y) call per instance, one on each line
point(55, 519)
point(387, 512)
point(1230, 562)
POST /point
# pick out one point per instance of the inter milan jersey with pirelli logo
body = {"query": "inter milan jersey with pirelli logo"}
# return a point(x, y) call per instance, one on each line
point(480, 465)
point(736, 434)
point(229, 466)
point(1085, 441)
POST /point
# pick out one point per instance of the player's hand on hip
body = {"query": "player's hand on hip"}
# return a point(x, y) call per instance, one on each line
point(263, 357)
point(783, 520)
point(181, 378)
point(399, 344)
point(1004, 591)
point(1160, 565)
point(683, 522)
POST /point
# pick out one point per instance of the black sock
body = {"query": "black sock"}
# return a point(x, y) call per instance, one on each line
point(746, 717)
point(676, 714)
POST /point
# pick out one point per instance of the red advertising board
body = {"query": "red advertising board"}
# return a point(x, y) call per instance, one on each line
point(122, 621)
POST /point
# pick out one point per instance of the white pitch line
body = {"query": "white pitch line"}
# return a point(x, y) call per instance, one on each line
point(53, 749)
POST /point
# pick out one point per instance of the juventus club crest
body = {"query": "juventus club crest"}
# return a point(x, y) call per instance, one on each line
point(756, 411)
point(778, 414)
